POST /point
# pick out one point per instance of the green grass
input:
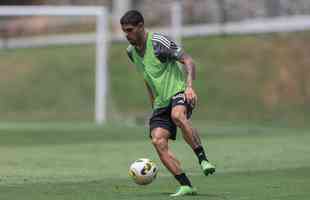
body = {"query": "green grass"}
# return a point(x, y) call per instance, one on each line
point(241, 80)
point(85, 162)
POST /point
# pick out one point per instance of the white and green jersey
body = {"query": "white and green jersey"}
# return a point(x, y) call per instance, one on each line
point(160, 68)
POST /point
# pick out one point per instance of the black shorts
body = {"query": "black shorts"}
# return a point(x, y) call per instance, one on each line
point(161, 117)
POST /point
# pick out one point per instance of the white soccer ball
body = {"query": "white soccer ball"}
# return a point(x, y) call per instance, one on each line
point(143, 171)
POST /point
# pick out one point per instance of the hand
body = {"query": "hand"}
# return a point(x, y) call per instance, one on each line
point(190, 96)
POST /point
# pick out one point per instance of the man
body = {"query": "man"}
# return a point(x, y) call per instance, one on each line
point(171, 93)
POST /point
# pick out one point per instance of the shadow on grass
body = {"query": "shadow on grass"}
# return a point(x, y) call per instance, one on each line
point(167, 194)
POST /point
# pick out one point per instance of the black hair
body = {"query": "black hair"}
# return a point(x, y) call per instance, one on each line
point(132, 17)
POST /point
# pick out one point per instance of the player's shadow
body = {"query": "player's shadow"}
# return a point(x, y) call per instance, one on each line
point(167, 194)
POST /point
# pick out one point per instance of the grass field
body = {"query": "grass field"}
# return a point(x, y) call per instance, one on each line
point(257, 84)
point(86, 162)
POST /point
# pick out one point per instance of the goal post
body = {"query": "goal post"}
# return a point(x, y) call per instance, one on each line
point(101, 67)
point(101, 41)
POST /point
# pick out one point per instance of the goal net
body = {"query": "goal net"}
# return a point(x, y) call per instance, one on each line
point(54, 63)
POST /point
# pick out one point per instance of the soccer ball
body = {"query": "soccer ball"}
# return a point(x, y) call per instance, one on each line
point(143, 171)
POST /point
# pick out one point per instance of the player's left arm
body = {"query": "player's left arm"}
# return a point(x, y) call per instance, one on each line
point(190, 69)
point(166, 50)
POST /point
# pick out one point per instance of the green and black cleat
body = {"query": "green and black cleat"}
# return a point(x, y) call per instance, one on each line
point(207, 167)
point(185, 190)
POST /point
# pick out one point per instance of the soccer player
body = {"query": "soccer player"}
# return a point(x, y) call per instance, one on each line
point(171, 92)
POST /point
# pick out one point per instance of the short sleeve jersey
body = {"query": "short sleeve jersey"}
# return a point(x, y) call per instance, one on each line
point(160, 68)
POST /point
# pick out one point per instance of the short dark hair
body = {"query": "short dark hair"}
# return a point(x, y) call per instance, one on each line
point(132, 17)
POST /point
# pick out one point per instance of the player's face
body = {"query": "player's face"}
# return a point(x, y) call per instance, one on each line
point(133, 33)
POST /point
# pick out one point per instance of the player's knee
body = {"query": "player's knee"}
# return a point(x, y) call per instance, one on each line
point(160, 144)
point(178, 117)
point(157, 142)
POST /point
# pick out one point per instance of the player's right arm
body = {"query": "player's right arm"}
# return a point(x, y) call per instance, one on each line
point(151, 95)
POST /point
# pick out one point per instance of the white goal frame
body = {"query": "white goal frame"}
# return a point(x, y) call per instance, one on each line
point(102, 42)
